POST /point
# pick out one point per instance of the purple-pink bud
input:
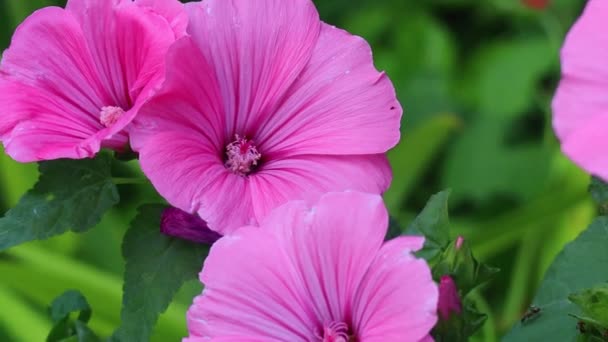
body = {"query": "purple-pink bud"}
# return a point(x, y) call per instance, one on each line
point(449, 301)
point(180, 224)
point(459, 242)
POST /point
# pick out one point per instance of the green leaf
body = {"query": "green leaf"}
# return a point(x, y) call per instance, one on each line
point(67, 329)
point(581, 265)
point(599, 192)
point(504, 75)
point(480, 164)
point(68, 302)
point(433, 222)
point(156, 268)
point(411, 158)
point(70, 195)
point(594, 303)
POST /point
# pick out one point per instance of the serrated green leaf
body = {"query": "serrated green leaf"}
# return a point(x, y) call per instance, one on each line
point(581, 265)
point(594, 303)
point(433, 222)
point(70, 301)
point(156, 268)
point(69, 195)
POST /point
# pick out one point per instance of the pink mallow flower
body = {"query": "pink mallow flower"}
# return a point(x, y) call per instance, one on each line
point(263, 103)
point(72, 79)
point(580, 106)
point(316, 273)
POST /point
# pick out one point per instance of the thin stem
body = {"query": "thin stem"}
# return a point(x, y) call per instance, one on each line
point(127, 180)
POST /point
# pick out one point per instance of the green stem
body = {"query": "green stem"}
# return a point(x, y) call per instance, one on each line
point(127, 180)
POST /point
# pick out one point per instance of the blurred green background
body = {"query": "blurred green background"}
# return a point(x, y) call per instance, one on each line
point(475, 79)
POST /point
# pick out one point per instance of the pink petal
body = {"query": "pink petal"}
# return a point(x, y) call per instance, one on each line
point(340, 104)
point(308, 177)
point(587, 146)
point(199, 182)
point(170, 10)
point(331, 244)
point(63, 66)
point(581, 95)
point(397, 300)
point(250, 290)
point(50, 87)
point(257, 49)
point(189, 100)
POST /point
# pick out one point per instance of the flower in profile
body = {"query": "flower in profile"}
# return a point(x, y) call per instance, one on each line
point(263, 103)
point(180, 224)
point(580, 106)
point(316, 273)
point(74, 78)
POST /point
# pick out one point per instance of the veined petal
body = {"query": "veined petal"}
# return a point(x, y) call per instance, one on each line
point(587, 146)
point(308, 177)
point(340, 104)
point(397, 299)
point(189, 100)
point(257, 50)
point(199, 182)
point(250, 290)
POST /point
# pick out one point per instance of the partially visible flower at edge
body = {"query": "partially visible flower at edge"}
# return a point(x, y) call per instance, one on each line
point(580, 105)
point(180, 224)
point(74, 78)
point(316, 273)
point(263, 103)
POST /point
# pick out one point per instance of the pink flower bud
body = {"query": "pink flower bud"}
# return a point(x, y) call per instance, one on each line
point(180, 224)
point(449, 300)
point(459, 242)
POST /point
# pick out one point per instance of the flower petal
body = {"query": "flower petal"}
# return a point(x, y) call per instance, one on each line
point(340, 104)
point(49, 85)
point(199, 182)
point(308, 177)
point(257, 49)
point(250, 290)
point(331, 244)
point(397, 299)
point(587, 146)
point(581, 95)
point(189, 100)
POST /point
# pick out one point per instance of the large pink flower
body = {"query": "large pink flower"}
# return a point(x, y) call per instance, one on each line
point(316, 273)
point(264, 103)
point(73, 79)
point(580, 106)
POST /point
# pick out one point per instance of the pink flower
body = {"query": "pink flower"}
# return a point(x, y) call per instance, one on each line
point(449, 300)
point(262, 104)
point(73, 79)
point(580, 106)
point(316, 273)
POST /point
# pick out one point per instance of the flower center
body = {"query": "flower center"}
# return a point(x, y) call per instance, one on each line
point(336, 332)
point(109, 115)
point(241, 156)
